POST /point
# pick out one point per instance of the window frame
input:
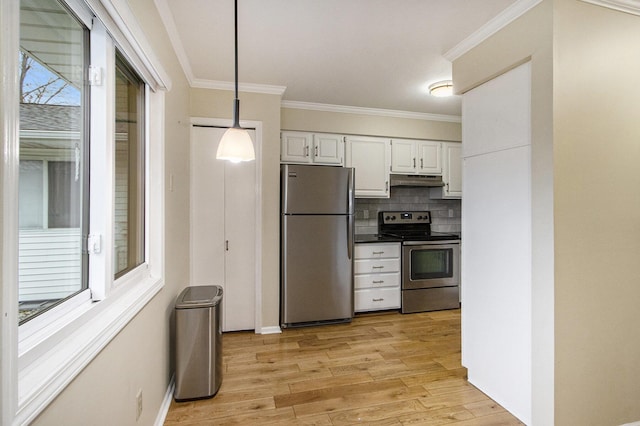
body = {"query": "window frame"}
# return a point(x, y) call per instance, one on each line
point(37, 362)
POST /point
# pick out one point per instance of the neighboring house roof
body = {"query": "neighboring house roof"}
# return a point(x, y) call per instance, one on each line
point(45, 117)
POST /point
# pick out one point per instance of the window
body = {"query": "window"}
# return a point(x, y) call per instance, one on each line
point(52, 202)
point(63, 145)
point(129, 206)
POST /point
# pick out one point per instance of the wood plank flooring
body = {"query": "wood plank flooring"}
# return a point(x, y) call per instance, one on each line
point(383, 369)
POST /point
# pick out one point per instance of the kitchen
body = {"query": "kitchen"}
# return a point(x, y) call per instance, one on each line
point(312, 186)
point(573, 304)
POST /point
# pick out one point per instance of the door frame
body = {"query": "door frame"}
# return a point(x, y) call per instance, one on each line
point(257, 125)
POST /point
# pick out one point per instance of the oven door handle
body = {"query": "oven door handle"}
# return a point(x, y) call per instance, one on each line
point(430, 243)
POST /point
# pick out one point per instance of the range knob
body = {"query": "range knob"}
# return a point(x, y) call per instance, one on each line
point(393, 218)
point(419, 217)
point(387, 217)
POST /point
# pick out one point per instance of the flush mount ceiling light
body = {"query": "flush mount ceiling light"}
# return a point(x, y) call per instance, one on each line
point(441, 89)
point(236, 144)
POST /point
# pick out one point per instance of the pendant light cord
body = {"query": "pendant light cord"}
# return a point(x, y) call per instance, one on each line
point(236, 102)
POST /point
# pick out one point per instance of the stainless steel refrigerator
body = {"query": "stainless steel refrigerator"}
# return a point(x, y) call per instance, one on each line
point(316, 244)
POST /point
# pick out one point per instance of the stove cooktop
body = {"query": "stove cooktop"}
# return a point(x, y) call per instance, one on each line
point(410, 226)
point(421, 236)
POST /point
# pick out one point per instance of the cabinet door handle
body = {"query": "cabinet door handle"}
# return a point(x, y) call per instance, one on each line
point(377, 267)
point(386, 186)
point(306, 151)
point(422, 163)
point(378, 282)
point(414, 162)
point(226, 245)
point(378, 300)
point(316, 150)
point(378, 252)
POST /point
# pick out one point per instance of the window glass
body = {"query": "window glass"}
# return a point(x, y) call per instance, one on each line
point(52, 201)
point(130, 169)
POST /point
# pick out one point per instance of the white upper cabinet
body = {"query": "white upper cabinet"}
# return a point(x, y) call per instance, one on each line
point(451, 172)
point(328, 149)
point(429, 157)
point(416, 157)
point(312, 148)
point(371, 159)
point(403, 156)
point(295, 147)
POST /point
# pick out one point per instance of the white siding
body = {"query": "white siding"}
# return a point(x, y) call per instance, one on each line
point(50, 263)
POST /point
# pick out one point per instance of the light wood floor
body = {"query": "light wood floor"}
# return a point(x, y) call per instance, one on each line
point(387, 369)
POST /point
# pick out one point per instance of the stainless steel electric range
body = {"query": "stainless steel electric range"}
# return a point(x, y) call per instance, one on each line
point(430, 261)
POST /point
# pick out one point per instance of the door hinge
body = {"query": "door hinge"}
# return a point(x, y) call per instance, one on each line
point(94, 243)
point(95, 76)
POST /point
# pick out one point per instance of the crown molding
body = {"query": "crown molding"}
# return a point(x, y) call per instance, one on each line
point(503, 19)
point(242, 87)
point(170, 25)
point(176, 42)
point(370, 111)
point(627, 6)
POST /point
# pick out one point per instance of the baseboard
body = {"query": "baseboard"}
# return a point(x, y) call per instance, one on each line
point(166, 403)
point(270, 330)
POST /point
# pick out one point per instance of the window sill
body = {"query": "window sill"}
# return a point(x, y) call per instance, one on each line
point(45, 369)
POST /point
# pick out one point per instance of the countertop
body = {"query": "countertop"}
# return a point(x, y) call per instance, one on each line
point(375, 238)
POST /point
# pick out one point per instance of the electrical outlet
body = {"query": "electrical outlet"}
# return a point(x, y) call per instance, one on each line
point(138, 404)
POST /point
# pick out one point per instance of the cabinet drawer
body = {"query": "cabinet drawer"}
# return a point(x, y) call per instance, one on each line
point(377, 280)
point(376, 266)
point(377, 299)
point(377, 251)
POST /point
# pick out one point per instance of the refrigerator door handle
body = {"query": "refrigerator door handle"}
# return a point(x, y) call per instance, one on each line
point(350, 185)
point(350, 236)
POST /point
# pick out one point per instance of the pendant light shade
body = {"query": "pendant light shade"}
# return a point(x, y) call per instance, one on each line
point(236, 144)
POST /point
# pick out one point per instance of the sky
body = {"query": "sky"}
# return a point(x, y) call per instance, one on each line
point(38, 75)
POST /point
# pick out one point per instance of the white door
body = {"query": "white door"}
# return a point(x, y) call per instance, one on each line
point(223, 227)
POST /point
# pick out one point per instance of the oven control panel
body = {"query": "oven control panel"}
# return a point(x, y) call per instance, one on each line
point(404, 218)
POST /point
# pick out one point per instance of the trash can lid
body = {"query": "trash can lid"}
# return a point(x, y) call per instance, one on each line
point(199, 297)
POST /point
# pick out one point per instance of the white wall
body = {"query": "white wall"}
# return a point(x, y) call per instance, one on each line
point(141, 357)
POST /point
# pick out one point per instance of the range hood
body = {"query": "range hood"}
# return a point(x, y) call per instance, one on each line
point(416, 180)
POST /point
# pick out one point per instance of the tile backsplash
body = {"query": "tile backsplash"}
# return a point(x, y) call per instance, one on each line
point(445, 214)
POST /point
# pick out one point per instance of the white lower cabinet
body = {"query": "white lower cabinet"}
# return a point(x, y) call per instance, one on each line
point(377, 277)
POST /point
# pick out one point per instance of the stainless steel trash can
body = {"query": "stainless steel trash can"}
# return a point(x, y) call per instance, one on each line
point(198, 343)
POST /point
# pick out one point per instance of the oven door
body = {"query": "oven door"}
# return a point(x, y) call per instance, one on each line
point(430, 264)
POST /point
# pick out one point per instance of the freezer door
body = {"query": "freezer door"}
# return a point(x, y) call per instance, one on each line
point(317, 269)
point(316, 189)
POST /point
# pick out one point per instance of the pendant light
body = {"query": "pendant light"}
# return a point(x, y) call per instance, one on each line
point(236, 144)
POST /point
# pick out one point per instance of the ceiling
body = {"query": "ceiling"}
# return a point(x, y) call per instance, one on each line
point(378, 54)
